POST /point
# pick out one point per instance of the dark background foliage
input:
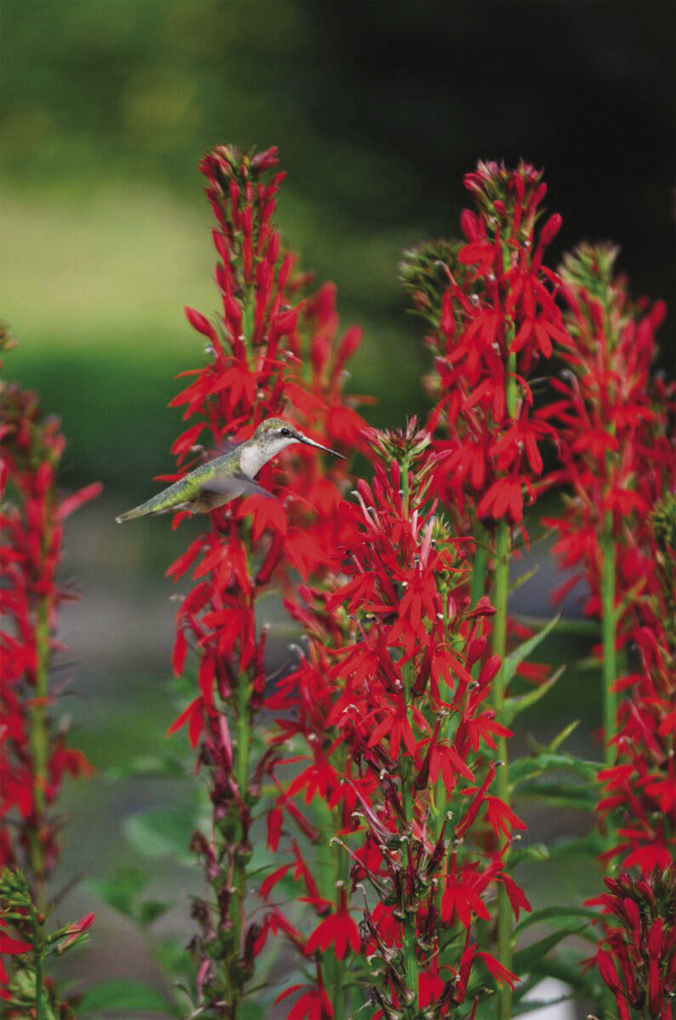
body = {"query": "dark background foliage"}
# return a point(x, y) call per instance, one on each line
point(378, 108)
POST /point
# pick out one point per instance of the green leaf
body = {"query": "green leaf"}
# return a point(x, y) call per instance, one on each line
point(560, 794)
point(174, 959)
point(535, 852)
point(581, 628)
point(525, 768)
point(590, 845)
point(555, 743)
point(122, 891)
point(554, 913)
point(150, 910)
point(161, 833)
point(517, 656)
point(167, 765)
point(527, 958)
point(588, 665)
point(523, 578)
point(250, 1010)
point(560, 738)
point(514, 705)
point(629, 598)
point(124, 994)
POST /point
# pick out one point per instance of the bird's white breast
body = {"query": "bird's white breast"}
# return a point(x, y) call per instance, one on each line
point(252, 459)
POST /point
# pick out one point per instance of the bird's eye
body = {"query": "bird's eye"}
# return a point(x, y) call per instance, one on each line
point(285, 432)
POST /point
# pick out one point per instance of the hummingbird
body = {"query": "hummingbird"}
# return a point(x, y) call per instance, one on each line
point(225, 478)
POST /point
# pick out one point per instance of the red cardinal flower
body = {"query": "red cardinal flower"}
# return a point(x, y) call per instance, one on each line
point(34, 751)
point(395, 729)
point(337, 931)
point(273, 350)
point(494, 316)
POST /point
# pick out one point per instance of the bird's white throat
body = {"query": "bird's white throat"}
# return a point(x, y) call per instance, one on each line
point(252, 459)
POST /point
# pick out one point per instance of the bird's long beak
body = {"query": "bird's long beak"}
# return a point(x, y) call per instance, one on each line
point(311, 442)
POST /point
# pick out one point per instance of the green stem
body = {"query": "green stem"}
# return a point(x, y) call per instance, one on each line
point(243, 731)
point(410, 934)
point(504, 941)
point(609, 627)
point(38, 963)
point(480, 564)
point(241, 765)
point(505, 936)
point(609, 633)
point(479, 571)
point(39, 744)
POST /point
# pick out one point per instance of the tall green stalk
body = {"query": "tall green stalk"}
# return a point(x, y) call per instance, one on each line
point(503, 548)
point(38, 963)
point(480, 564)
point(241, 765)
point(479, 572)
point(411, 969)
point(609, 632)
point(39, 744)
point(504, 939)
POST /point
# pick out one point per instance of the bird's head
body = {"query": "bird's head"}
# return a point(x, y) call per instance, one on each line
point(274, 434)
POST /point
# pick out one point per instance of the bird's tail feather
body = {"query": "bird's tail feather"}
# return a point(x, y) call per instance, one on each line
point(129, 515)
point(146, 510)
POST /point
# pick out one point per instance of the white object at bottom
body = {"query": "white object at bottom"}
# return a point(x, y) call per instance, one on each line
point(549, 990)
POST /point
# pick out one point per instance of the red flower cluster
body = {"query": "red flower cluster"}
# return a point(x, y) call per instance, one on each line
point(637, 959)
point(618, 458)
point(492, 306)
point(640, 789)
point(397, 736)
point(34, 753)
point(612, 422)
point(274, 350)
point(619, 532)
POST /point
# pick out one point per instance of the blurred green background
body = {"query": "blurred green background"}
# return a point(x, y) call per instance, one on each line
point(378, 109)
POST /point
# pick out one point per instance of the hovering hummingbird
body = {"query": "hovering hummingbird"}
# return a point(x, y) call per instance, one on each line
point(224, 478)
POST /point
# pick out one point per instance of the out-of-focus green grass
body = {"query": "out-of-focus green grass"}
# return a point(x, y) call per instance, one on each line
point(94, 290)
point(105, 269)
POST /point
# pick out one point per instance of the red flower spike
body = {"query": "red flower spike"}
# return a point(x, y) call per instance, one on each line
point(490, 313)
point(619, 458)
point(637, 954)
point(620, 461)
point(382, 679)
point(32, 524)
point(275, 346)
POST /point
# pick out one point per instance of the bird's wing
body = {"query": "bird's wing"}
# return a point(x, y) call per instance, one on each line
point(236, 484)
point(226, 445)
point(220, 448)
